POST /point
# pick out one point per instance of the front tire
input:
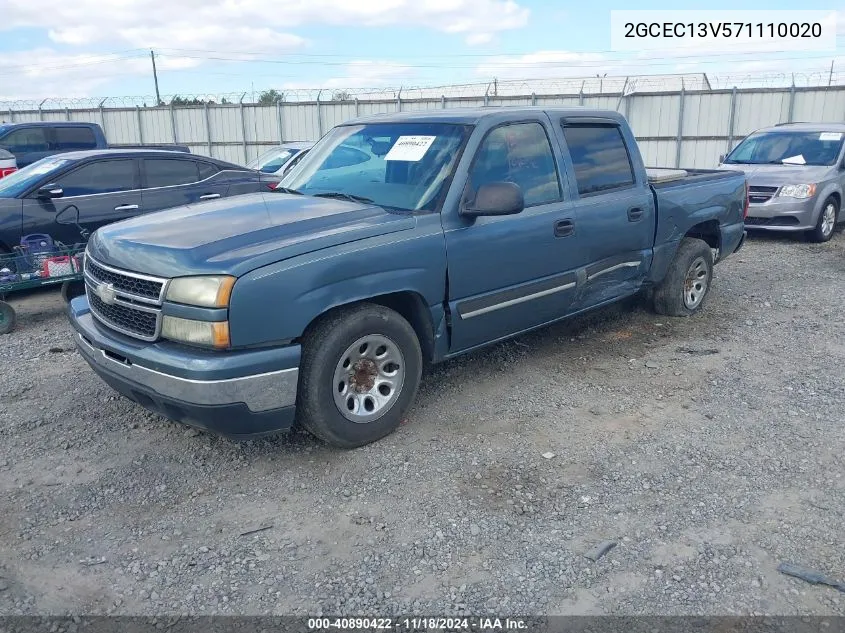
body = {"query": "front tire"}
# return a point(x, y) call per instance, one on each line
point(826, 222)
point(360, 371)
point(687, 283)
point(72, 289)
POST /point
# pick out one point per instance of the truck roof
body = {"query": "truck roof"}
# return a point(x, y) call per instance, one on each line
point(48, 124)
point(470, 116)
point(805, 127)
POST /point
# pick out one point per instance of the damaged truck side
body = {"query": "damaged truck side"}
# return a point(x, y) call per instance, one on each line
point(400, 240)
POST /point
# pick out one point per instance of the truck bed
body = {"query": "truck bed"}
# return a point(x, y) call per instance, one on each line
point(663, 177)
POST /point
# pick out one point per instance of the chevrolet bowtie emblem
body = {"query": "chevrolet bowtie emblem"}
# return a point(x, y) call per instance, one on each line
point(106, 293)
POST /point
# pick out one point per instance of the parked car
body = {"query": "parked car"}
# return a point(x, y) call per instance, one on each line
point(282, 158)
point(322, 302)
point(8, 164)
point(796, 175)
point(33, 141)
point(108, 185)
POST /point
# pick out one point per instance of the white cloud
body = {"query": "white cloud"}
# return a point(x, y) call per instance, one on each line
point(44, 73)
point(360, 74)
point(475, 39)
point(222, 24)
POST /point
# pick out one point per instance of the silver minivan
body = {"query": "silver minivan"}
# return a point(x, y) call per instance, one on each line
point(796, 176)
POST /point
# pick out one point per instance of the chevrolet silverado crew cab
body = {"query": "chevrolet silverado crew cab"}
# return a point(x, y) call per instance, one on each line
point(399, 240)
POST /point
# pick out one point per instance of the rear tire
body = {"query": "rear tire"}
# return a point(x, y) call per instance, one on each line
point(826, 224)
point(7, 318)
point(687, 283)
point(360, 371)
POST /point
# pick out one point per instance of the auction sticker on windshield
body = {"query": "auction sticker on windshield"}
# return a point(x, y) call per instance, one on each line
point(830, 136)
point(410, 148)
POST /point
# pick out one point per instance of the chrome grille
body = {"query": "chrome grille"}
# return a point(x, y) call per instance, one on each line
point(124, 301)
point(129, 320)
point(758, 195)
point(135, 285)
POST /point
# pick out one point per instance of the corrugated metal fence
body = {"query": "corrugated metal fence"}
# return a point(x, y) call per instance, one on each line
point(686, 129)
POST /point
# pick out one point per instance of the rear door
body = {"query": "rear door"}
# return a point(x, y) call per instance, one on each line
point(511, 273)
point(96, 193)
point(172, 182)
point(615, 208)
point(28, 144)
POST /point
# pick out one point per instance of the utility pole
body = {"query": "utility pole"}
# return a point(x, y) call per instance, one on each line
point(155, 77)
point(830, 79)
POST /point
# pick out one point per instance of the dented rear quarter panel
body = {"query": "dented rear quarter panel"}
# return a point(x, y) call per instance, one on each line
point(705, 196)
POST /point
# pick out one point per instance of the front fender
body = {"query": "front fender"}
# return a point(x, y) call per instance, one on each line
point(276, 303)
point(825, 191)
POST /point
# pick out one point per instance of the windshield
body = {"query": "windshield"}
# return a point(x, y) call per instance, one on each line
point(273, 160)
point(18, 182)
point(397, 165)
point(788, 148)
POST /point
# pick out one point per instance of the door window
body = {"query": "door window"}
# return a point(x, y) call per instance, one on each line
point(167, 172)
point(207, 170)
point(599, 157)
point(105, 176)
point(75, 138)
point(520, 154)
point(25, 140)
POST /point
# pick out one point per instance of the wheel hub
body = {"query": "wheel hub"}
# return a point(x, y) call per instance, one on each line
point(362, 378)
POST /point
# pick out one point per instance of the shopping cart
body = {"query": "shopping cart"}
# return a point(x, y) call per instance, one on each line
point(39, 261)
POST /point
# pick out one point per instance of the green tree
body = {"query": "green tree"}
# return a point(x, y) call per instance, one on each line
point(271, 97)
point(184, 101)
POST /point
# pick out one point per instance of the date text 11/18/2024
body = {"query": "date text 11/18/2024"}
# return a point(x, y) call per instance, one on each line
point(417, 624)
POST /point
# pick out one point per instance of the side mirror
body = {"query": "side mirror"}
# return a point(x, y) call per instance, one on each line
point(48, 192)
point(496, 198)
point(721, 158)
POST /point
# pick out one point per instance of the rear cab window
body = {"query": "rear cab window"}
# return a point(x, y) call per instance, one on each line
point(599, 156)
point(74, 138)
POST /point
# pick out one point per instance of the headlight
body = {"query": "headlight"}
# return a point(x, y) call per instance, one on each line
point(206, 292)
point(797, 191)
point(206, 333)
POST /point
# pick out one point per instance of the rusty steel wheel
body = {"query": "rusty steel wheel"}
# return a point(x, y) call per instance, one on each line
point(368, 378)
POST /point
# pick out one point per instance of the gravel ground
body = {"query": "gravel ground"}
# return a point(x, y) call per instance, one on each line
point(709, 449)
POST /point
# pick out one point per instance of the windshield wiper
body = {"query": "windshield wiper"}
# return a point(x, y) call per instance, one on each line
point(342, 196)
point(287, 190)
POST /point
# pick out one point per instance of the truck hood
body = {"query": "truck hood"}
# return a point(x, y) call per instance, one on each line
point(238, 234)
point(778, 175)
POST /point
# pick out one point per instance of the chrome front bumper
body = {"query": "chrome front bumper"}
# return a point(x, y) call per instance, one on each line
point(260, 392)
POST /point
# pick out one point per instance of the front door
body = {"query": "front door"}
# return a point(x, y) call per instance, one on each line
point(93, 195)
point(511, 273)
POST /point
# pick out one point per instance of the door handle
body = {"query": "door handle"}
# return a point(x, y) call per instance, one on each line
point(564, 228)
point(209, 196)
point(127, 207)
point(635, 214)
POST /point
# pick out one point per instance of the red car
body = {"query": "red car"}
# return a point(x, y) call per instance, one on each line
point(8, 164)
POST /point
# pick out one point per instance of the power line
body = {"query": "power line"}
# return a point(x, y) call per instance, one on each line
point(589, 63)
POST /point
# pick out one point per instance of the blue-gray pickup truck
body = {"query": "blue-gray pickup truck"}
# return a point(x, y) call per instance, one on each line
point(399, 240)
